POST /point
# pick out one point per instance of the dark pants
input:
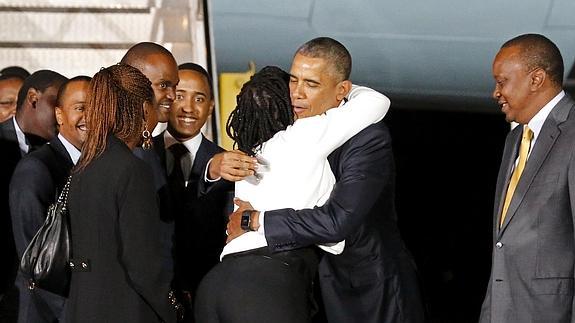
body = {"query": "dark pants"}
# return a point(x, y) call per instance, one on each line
point(370, 294)
point(257, 286)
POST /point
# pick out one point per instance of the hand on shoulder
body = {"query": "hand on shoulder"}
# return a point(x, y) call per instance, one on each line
point(232, 166)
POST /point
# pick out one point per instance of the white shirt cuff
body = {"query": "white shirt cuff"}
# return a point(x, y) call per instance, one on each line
point(333, 248)
point(261, 229)
point(206, 173)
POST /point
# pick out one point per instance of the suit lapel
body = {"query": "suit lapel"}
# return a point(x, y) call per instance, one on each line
point(61, 150)
point(160, 149)
point(8, 130)
point(545, 141)
point(201, 158)
point(196, 172)
point(9, 144)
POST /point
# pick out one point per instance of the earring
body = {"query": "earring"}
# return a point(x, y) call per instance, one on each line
point(147, 142)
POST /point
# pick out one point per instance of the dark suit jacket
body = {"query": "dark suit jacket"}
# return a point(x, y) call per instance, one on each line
point(36, 183)
point(114, 224)
point(374, 279)
point(166, 228)
point(10, 157)
point(200, 213)
point(534, 254)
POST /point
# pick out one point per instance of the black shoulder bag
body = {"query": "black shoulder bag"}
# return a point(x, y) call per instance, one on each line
point(46, 259)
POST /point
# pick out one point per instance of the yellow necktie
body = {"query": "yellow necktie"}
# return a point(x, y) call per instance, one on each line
point(523, 153)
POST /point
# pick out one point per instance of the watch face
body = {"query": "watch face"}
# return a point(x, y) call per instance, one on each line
point(245, 221)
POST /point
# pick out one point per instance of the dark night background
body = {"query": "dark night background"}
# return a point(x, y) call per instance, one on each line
point(447, 164)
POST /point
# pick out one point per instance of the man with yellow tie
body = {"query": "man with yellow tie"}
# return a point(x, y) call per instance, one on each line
point(532, 276)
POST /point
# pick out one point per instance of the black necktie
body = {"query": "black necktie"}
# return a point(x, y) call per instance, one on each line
point(177, 175)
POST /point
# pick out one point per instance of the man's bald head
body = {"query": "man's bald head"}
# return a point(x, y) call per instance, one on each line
point(160, 67)
point(137, 55)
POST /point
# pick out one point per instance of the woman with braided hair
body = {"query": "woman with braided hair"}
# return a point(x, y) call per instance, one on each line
point(263, 109)
point(251, 284)
point(117, 272)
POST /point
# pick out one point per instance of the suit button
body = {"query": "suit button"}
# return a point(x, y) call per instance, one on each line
point(499, 245)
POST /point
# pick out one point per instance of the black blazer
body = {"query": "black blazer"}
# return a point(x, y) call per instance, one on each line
point(151, 158)
point(375, 266)
point(200, 216)
point(10, 157)
point(36, 183)
point(114, 225)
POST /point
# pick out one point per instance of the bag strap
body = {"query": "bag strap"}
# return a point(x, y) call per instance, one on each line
point(63, 198)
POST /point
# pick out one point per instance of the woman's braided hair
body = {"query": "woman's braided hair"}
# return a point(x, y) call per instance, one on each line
point(263, 108)
point(114, 106)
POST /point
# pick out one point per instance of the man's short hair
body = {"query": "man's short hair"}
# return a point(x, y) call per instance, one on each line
point(64, 86)
point(538, 51)
point(12, 72)
point(331, 50)
point(40, 81)
point(137, 54)
point(197, 68)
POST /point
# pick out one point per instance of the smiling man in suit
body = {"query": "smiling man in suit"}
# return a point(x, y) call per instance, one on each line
point(534, 242)
point(36, 183)
point(199, 215)
point(160, 67)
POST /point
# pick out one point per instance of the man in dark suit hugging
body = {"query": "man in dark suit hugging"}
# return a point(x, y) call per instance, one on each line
point(373, 279)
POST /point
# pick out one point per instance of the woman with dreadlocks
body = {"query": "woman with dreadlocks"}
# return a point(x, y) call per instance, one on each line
point(251, 284)
point(117, 272)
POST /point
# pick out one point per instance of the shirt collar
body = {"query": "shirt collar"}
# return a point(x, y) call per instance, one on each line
point(24, 147)
point(192, 144)
point(536, 123)
point(71, 149)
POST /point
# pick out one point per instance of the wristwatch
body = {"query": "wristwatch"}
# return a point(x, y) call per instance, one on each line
point(246, 221)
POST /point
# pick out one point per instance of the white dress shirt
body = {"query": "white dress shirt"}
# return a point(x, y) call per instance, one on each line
point(297, 174)
point(536, 123)
point(187, 161)
point(24, 147)
point(71, 149)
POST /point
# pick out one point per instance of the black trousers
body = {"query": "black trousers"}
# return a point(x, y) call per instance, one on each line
point(258, 286)
point(383, 291)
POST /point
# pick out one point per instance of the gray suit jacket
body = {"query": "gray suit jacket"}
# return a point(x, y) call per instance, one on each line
point(534, 251)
